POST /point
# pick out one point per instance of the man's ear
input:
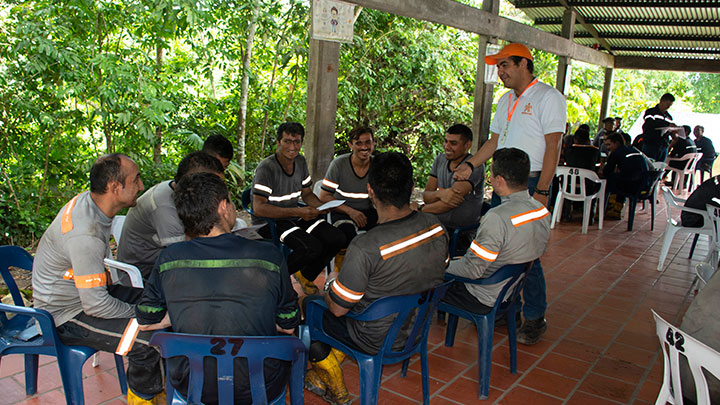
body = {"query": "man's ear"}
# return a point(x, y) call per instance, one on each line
point(114, 187)
point(222, 208)
point(371, 192)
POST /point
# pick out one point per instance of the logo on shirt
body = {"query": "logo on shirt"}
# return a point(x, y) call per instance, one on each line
point(528, 109)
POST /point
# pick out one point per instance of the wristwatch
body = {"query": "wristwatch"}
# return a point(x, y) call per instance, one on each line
point(546, 193)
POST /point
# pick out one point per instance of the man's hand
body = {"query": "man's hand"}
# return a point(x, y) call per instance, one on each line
point(542, 198)
point(165, 323)
point(308, 213)
point(358, 217)
point(451, 196)
point(462, 172)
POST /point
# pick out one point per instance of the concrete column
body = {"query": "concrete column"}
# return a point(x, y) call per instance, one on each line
point(562, 83)
point(606, 95)
point(322, 88)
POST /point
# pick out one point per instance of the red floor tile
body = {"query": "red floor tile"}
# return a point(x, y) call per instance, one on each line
point(577, 350)
point(411, 385)
point(564, 365)
point(582, 398)
point(619, 369)
point(521, 395)
point(607, 387)
point(548, 382)
point(465, 391)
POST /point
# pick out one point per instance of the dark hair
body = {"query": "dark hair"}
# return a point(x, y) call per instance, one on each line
point(687, 129)
point(667, 97)
point(582, 136)
point(517, 59)
point(609, 120)
point(218, 145)
point(354, 135)
point(701, 127)
point(513, 165)
point(614, 137)
point(584, 127)
point(292, 128)
point(197, 197)
point(107, 168)
point(198, 161)
point(618, 118)
point(462, 130)
point(391, 178)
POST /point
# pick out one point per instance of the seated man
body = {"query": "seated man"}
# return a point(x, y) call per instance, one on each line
point(680, 146)
point(153, 224)
point(280, 180)
point(707, 193)
point(220, 148)
point(515, 231)
point(346, 179)
point(618, 129)
point(599, 141)
point(378, 264)
point(70, 282)
point(626, 171)
point(705, 146)
point(456, 203)
point(581, 154)
point(217, 283)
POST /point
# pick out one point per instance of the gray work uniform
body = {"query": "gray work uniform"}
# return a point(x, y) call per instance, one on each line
point(514, 232)
point(150, 226)
point(469, 211)
point(344, 184)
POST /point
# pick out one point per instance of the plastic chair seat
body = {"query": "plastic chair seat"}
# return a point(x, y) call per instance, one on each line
point(699, 356)
point(674, 225)
point(225, 349)
point(506, 304)
point(19, 335)
point(690, 161)
point(422, 304)
point(573, 188)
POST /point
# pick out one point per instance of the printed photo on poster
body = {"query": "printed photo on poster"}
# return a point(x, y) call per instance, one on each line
point(332, 20)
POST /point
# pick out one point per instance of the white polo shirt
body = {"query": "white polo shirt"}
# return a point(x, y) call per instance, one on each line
point(541, 110)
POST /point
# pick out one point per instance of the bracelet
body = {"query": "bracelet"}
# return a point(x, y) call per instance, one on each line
point(420, 207)
point(546, 193)
point(467, 162)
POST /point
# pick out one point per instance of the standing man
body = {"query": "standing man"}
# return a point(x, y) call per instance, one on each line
point(153, 223)
point(217, 283)
point(655, 140)
point(280, 180)
point(404, 254)
point(530, 117)
point(456, 203)
point(70, 282)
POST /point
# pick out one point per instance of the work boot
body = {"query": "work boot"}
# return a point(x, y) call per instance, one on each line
point(314, 383)
point(339, 356)
point(339, 258)
point(134, 399)
point(308, 287)
point(531, 331)
point(331, 375)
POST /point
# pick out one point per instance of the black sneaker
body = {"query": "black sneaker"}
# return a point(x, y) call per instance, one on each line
point(531, 331)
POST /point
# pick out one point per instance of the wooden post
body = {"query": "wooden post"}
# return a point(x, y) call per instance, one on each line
point(606, 95)
point(322, 88)
point(562, 83)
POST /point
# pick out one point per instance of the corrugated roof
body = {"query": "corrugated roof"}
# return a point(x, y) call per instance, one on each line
point(651, 28)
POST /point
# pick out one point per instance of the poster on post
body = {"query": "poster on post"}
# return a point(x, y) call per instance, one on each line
point(332, 20)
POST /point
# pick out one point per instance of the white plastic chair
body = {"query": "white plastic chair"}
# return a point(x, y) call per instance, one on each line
point(572, 187)
point(116, 228)
point(673, 225)
point(714, 216)
point(691, 161)
point(699, 356)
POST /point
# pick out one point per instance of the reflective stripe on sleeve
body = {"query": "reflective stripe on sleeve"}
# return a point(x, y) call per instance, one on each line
point(91, 280)
point(481, 252)
point(345, 293)
point(285, 197)
point(411, 241)
point(263, 188)
point(525, 217)
point(307, 181)
point(329, 184)
point(66, 225)
point(352, 195)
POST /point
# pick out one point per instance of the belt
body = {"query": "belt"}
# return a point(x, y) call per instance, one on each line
point(535, 174)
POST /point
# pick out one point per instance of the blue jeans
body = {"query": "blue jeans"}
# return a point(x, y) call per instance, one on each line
point(534, 295)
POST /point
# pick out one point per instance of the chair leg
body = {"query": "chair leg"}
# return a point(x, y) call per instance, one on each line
point(71, 375)
point(631, 212)
point(587, 204)
point(692, 246)
point(485, 328)
point(512, 338)
point(652, 209)
point(31, 373)
point(557, 211)
point(370, 373)
point(667, 240)
point(425, 374)
point(122, 378)
point(450, 330)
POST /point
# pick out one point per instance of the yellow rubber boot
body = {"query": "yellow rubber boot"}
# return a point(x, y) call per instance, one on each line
point(133, 399)
point(339, 258)
point(314, 383)
point(308, 287)
point(339, 356)
point(332, 376)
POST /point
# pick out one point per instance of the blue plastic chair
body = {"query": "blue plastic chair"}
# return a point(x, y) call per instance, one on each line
point(453, 248)
point(422, 304)
point(508, 304)
point(19, 335)
point(246, 203)
point(254, 348)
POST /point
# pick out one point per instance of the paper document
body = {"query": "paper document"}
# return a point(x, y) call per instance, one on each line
point(249, 232)
point(331, 204)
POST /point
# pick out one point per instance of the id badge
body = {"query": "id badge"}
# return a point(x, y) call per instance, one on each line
point(503, 137)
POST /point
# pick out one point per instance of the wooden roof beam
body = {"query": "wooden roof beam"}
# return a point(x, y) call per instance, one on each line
point(617, 3)
point(674, 64)
point(669, 22)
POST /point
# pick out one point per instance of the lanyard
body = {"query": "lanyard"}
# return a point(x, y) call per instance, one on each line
point(511, 112)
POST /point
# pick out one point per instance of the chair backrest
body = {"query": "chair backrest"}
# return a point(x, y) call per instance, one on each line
point(699, 356)
point(690, 159)
point(671, 200)
point(572, 181)
point(116, 228)
point(225, 349)
point(14, 256)
point(246, 201)
point(659, 166)
point(421, 306)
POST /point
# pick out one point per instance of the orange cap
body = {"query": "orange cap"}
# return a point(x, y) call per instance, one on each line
point(508, 50)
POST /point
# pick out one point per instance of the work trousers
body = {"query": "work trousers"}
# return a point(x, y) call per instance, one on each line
point(313, 243)
point(144, 376)
point(348, 227)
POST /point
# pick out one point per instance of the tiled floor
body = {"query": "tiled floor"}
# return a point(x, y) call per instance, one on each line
point(600, 346)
